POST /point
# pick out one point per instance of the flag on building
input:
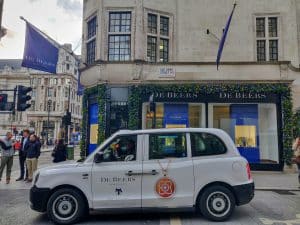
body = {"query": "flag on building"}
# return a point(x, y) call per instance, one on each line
point(224, 36)
point(39, 52)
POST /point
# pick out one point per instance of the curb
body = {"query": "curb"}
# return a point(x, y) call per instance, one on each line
point(276, 189)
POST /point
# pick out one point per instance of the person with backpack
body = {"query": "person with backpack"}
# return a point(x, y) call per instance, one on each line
point(7, 158)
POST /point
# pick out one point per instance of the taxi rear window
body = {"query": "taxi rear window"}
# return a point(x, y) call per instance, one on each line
point(203, 144)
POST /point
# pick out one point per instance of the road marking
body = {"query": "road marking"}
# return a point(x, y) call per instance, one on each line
point(175, 221)
point(171, 221)
point(286, 222)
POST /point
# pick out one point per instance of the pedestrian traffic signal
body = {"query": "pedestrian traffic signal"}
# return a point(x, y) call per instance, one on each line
point(23, 98)
point(3, 101)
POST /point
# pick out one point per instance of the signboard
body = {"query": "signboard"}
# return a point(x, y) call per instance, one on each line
point(167, 72)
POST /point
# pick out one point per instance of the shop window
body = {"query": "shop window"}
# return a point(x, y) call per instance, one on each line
point(172, 145)
point(203, 144)
point(122, 148)
point(252, 127)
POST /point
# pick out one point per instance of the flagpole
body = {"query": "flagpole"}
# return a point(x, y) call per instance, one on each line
point(52, 40)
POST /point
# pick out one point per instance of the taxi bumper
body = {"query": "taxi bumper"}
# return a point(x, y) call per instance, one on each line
point(244, 193)
point(38, 198)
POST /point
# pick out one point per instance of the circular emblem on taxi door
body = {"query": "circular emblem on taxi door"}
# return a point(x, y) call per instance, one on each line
point(165, 187)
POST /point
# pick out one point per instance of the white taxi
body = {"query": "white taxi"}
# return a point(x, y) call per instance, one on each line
point(161, 169)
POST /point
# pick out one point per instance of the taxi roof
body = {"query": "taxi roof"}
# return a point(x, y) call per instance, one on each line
point(167, 130)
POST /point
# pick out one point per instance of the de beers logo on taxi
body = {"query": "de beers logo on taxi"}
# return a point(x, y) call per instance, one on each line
point(165, 187)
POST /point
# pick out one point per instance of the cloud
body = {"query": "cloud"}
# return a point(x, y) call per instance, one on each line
point(73, 7)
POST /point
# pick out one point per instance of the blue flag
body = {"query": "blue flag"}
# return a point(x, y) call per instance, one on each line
point(223, 39)
point(39, 52)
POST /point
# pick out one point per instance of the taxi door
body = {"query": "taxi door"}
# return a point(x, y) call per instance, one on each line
point(168, 179)
point(117, 179)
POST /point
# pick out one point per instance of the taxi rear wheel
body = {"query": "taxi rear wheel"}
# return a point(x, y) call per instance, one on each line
point(66, 206)
point(217, 203)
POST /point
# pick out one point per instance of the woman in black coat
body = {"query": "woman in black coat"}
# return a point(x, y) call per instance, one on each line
point(59, 153)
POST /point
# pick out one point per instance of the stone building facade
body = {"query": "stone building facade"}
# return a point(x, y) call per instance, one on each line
point(134, 49)
point(48, 89)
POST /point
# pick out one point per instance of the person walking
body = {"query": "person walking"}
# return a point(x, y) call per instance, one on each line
point(296, 148)
point(7, 158)
point(33, 153)
point(22, 155)
point(59, 153)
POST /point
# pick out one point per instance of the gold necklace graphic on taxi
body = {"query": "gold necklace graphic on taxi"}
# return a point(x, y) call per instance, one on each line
point(164, 170)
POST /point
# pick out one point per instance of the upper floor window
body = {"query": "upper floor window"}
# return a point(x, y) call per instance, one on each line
point(267, 38)
point(119, 37)
point(91, 40)
point(158, 38)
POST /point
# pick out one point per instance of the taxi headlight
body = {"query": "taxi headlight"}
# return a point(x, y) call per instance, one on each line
point(36, 178)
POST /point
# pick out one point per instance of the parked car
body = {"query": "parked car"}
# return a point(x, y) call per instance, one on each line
point(164, 169)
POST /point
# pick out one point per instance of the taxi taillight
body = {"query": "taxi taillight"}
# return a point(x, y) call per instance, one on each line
point(249, 171)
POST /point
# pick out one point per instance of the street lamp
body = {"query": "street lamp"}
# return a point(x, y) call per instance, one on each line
point(48, 123)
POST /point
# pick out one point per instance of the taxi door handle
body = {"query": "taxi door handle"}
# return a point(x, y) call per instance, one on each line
point(152, 172)
point(131, 173)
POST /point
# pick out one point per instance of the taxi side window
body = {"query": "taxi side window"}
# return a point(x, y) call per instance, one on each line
point(122, 148)
point(203, 144)
point(171, 145)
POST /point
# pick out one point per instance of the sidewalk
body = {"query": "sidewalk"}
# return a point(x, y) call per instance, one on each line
point(275, 181)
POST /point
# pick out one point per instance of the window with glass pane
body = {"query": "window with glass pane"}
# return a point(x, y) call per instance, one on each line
point(172, 145)
point(152, 23)
point(164, 26)
point(273, 27)
point(164, 50)
point(120, 22)
point(151, 49)
point(261, 50)
point(90, 51)
point(122, 149)
point(273, 50)
point(260, 27)
point(206, 144)
point(91, 26)
point(119, 48)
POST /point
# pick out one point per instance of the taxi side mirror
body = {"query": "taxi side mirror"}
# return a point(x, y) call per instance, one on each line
point(98, 158)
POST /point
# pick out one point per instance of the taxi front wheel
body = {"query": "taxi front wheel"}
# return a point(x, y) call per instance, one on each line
point(217, 203)
point(66, 206)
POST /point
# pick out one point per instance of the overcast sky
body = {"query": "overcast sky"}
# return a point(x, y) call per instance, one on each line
point(60, 19)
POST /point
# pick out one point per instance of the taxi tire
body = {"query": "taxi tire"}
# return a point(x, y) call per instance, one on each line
point(77, 196)
point(223, 196)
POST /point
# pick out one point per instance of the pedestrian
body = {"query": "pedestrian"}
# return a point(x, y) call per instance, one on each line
point(33, 153)
point(296, 148)
point(17, 145)
point(59, 153)
point(7, 158)
point(22, 156)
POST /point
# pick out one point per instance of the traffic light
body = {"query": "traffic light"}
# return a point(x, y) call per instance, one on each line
point(22, 99)
point(3, 101)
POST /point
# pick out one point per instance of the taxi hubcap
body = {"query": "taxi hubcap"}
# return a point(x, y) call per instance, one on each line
point(218, 204)
point(65, 207)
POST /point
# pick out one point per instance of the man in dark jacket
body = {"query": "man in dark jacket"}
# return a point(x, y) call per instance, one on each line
point(22, 155)
point(32, 155)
